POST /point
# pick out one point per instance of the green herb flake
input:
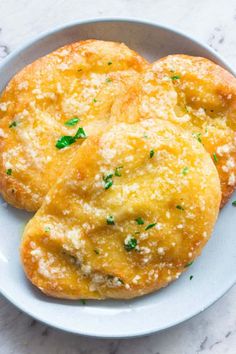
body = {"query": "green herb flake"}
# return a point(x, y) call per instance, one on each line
point(191, 277)
point(175, 77)
point(80, 134)
point(234, 203)
point(13, 124)
point(131, 244)
point(179, 207)
point(215, 158)
point(83, 302)
point(139, 221)
point(67, 140)
point(96, 251)
point(188, 264)
point(71, 122)
point(198, 136)
point(47, 229)
point(109, 63)
point(9, 171)
point(145, 136)
point(110, 220)
point(95, 100)
point(117, 171)
point(108, 80)
point(150, 226)
point(108, 182)
point(185, 171)
point(151, 154)
point(108, 176)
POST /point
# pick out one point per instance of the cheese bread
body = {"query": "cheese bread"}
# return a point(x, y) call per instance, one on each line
point(131, 212)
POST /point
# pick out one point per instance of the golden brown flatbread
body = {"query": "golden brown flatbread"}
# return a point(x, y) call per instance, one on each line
point(49, 108)
point(196, 94)
point(131, 212)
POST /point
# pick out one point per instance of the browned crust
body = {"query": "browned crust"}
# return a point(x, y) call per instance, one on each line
point(224, 84)
point(12, 189)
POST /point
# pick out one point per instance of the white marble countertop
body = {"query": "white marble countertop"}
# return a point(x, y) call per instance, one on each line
point(212, 22)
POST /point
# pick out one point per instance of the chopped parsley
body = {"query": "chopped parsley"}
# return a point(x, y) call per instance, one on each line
point(108, 80)
point(150, 226)
point(71, 122)
point(80, 134)
point(145, 136)
point(83, 302)
point(109, 63)
point(96, 251)
point(67, 140)
point(131, 244)
point(95, 100)
point(139, 221)
point(197, 136)
point(117, 171)
point(108, 176)
point(188, 264)
point(191, 277)
point(151, 154)
point(108, 182)
point(47, 229)
point(179, 207)
point(175, 77)
point(13, 124)
point(9, 171)
point(110, 220)
point(234, 203)
point(185, 170)
point(215, 158)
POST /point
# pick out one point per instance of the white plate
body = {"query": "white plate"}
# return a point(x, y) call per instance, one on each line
point(214, 272)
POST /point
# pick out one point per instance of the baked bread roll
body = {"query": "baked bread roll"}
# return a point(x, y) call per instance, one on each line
point(48, 109)
point(196, 94)
point(133, 209)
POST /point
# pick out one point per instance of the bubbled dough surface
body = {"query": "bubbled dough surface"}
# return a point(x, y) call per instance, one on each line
point(69, 251)
point(42, 97)
point(197, 94)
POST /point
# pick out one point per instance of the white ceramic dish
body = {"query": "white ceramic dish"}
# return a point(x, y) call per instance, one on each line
point(214, 272)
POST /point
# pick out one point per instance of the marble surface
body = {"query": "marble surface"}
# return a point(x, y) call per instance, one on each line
point(212, 22)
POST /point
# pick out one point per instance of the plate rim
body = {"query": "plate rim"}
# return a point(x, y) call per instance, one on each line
point(27, 44)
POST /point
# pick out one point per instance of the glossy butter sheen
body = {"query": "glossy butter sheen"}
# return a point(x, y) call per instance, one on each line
point(87, 240)
point(78, 80)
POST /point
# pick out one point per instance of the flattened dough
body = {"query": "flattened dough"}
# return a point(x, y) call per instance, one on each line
point(79, 80)
point(131, 212)
point(196, 94)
